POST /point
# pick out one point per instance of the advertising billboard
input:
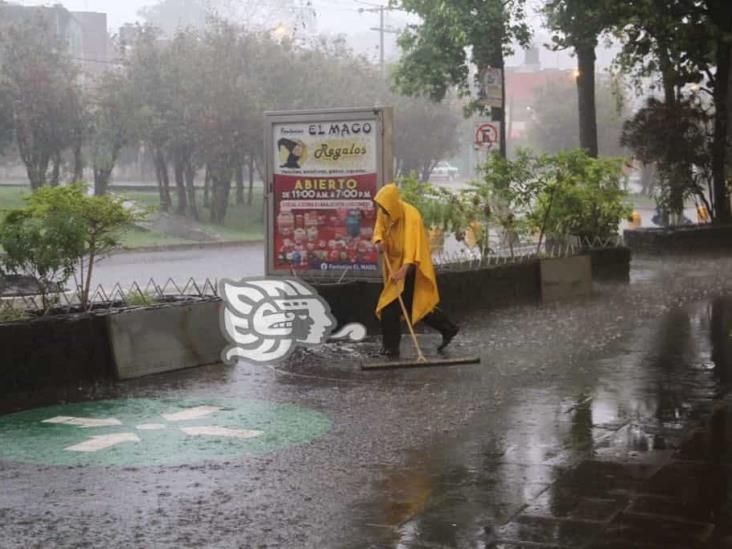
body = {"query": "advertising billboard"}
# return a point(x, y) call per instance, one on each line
point(325, 168)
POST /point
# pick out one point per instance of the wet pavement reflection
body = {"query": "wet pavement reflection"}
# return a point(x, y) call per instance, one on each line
point(605, 423)
point(613, 464)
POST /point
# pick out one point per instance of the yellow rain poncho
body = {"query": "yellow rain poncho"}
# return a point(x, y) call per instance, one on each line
point(405, 241)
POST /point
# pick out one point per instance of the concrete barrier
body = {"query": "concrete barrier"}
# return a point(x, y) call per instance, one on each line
point(164, 339)
point(680, 240)
point(566, 278)
point(54, 351)
point(81, 348)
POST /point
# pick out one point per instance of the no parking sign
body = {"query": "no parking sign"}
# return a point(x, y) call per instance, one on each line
point(487, 136)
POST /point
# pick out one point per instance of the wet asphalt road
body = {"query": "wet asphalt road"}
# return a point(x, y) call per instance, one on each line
point(573, 407)
point(212, 263)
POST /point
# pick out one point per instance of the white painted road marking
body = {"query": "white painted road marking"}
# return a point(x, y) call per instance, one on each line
point(192, 413)
point(151, 427)
point(213, 431)
point(83, 422)
point(94, 444)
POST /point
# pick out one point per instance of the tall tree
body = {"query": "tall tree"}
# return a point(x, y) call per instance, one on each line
point(417, 146)
point(152, 90)
point(685, 42)
point(113, 116)
point(171, 16)
point(578, 24)
point(38, 79)
point(554, 121)
point(453, 37)
point(7, 127)
point(719, 14)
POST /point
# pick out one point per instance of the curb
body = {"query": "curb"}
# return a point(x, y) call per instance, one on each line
point(193, 246)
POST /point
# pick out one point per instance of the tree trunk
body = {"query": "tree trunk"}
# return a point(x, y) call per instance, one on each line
point(586, 95)
point(180, 186)
point(722, 212)
point(220, 189)
point(37, 173)
point(425, 171)
point(729, 127)
point(239, 176)
point(667, 79)
point(101, 180)
point(207, 188)
point(78, 162)
point(190, 176)
point(161, 173)
point(250, 196)
point(56, 169)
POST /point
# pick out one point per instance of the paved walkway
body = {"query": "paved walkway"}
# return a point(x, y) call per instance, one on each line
point(589, 424)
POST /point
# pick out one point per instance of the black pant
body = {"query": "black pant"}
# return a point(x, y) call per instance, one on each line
point(391, 328)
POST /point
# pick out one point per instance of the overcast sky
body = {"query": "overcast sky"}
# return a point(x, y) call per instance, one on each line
point(333, 17)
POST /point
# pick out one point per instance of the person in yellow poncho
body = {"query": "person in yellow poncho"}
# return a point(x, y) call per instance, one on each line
point(402, 238)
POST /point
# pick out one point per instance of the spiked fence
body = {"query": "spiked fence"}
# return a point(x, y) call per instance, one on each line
point(153, 292)
point(471, 259)
point(117, 296)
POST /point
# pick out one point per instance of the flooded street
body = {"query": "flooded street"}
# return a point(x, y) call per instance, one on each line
point(588, 424)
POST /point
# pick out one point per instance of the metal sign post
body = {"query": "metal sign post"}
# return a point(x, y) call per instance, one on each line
point(324, 168)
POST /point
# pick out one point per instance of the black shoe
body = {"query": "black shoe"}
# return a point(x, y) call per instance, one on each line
point(447, 336)
point(389, 353)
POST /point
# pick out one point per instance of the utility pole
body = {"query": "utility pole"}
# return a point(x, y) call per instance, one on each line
point(381, 29)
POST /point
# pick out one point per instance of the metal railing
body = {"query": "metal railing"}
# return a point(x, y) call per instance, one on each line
point(116, 296)
point(153, 292)
point(472, 259)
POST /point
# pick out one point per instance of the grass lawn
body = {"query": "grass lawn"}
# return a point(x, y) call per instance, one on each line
point(242, 222)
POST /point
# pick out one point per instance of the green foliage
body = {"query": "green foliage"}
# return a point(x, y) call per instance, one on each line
point(439, 207)
point(578, 23)
point(42, 241)
point(114, 118)
point(436, 53)
point(60, 233)
point(38, 84)
point(507, 191)
point(10, 314)
point(570, 193)
point(581, 196)
point(683, 162)
point(141, 299)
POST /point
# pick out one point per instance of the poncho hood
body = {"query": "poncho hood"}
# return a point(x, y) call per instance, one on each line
point(389, 198)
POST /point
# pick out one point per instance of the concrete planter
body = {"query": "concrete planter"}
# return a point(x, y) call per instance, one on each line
point(66, 350)
point(54, 351)
point(680, 240)
point(566, 278)
point(163, 339)
point(487, 288)
point(123, 344)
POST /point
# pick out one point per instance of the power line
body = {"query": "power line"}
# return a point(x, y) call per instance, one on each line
point(381, 29)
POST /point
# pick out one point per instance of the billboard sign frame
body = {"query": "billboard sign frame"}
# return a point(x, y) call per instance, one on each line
point(306, 232)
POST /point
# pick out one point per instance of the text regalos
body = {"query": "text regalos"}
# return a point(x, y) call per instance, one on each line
point(326, 152)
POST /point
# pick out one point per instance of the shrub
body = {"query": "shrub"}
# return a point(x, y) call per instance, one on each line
point(581, 196)
point(61, 233)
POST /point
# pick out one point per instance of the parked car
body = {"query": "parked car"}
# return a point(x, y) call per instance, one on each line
point(445, 171)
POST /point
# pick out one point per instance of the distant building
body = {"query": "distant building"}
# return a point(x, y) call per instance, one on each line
point(522, 83)
point(84, 32)
point(95, 56)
